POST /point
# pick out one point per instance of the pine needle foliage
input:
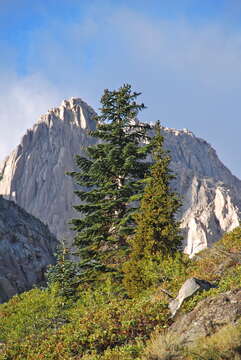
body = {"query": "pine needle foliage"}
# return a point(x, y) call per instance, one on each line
point(111, 179)
point(64, 275)
point(157, 234)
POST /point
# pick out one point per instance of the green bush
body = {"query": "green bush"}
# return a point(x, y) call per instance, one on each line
point(30, 313)
point(64, 275)
point(101, 322)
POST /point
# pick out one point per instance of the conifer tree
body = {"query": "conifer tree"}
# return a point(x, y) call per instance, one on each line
point(64, 274)
point(111, 178)
point(157, 234)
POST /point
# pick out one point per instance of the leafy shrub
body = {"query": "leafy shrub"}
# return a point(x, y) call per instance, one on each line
point(102, 323)
point(29, 313)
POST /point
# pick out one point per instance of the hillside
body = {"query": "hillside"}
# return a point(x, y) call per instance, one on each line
point(211, 194)
point(104, 324)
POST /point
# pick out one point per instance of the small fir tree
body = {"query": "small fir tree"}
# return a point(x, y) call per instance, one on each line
point(111, 178)
point(157, 234)
point(64, 275)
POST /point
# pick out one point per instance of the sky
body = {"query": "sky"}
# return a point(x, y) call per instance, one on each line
point(184, 56)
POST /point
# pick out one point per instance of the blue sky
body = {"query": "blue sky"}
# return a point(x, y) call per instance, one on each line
point(183, 55)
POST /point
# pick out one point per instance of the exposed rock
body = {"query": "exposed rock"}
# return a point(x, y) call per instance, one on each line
point(26, 248)
point(190, 287)
point(213, 210)
point(40, 162)
point(208, 317)
point(211, 194)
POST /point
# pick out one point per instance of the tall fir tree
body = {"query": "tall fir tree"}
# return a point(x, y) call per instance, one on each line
point(111, 176)
point(157, 233)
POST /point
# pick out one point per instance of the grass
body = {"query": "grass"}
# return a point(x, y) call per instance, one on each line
point(224, 344)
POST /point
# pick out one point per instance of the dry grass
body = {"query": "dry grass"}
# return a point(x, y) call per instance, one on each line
point(224, 344)
point(165, 346)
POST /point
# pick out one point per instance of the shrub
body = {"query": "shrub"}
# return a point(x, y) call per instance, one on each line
point(102, 323)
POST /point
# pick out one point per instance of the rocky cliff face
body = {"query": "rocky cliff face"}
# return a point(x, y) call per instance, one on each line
point(26, 248)
point(34, 176)
point(211, 194)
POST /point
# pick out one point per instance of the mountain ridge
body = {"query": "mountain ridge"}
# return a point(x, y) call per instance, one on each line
point(46, 152)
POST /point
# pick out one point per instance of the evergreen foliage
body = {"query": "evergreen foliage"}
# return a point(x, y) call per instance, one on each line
point(64, 275)
point(111, 176)
point(157, 234)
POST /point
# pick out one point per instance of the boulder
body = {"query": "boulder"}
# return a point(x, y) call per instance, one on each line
point(190, 287)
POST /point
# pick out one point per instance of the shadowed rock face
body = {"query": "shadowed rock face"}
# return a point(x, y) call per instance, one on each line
point(34, 176)
point(26, 248)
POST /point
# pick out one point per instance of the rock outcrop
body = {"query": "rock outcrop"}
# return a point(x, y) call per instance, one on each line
point(26, 248)
point(211, 194)
point(212, 327)
point(208, 316)
point(189, 288)
point(34, 174)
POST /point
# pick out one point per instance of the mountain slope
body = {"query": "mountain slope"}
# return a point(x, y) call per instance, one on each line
point(211, 194)
point(101, 323)
point(26, 248)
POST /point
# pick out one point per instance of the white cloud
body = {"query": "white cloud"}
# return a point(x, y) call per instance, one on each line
point(209, 54)
point(189, 73)
point(22, 101)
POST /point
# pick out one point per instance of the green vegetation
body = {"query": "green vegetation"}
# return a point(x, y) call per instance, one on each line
point(157, 235)
point(113, 304)
point(64, 276)
point(104, 324)
point(220, 264)
point(111, 177)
